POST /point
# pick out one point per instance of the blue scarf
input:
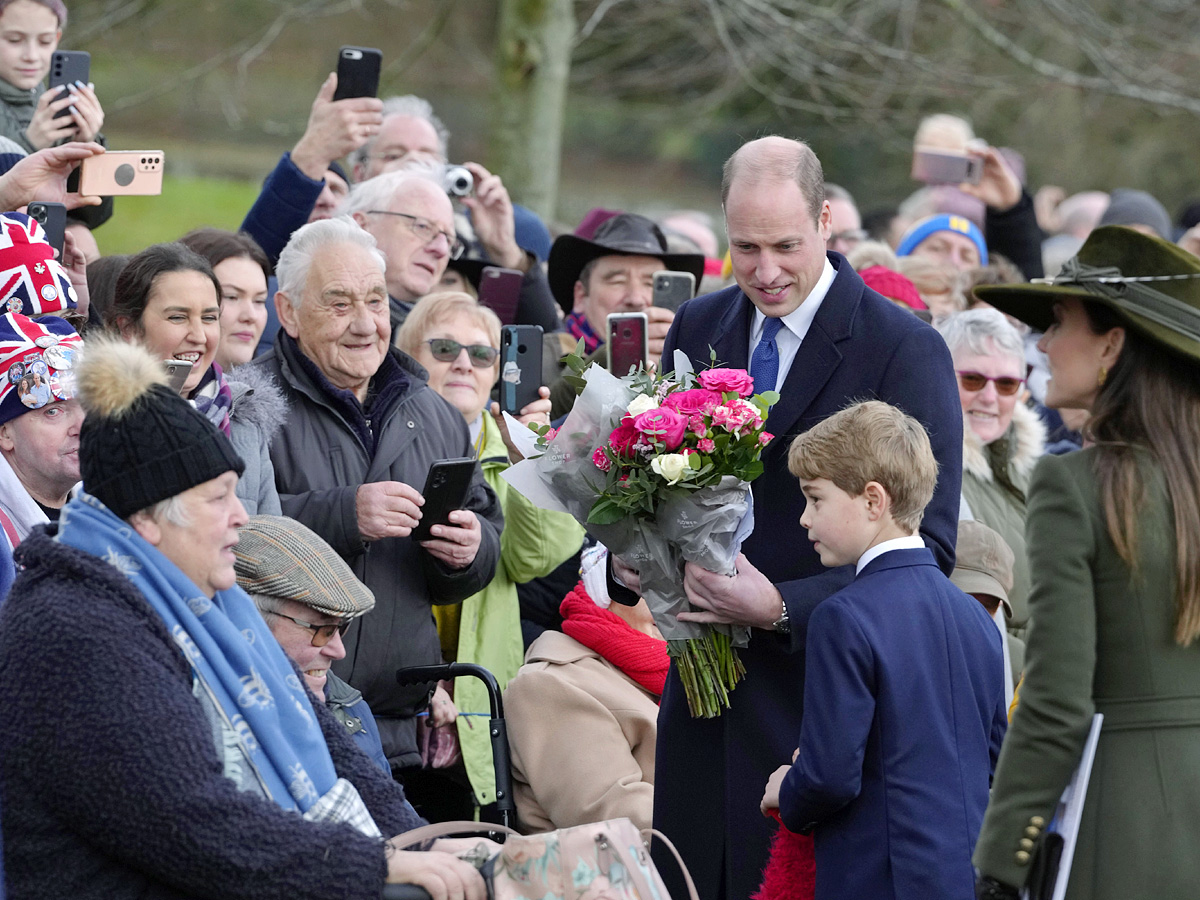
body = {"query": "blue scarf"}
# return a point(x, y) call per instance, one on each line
point(230, 650)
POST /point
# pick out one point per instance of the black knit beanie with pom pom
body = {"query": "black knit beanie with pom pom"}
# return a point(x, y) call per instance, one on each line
point(141, 442)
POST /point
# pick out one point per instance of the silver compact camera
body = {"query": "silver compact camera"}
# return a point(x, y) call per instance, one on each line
point(457, 181)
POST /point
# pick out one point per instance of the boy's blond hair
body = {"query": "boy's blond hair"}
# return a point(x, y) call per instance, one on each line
point(871, 441)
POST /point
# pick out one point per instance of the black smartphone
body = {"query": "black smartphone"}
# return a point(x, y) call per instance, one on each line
point(628, 343)
point(500, 291)
point(446, 488)
point(520, 366)
point(672, 288)
point(68, 67)
point(358, 72)
point(53, 219)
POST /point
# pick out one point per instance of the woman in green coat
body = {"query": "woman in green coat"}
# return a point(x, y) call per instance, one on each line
point(1114, 547)
point(457, 340)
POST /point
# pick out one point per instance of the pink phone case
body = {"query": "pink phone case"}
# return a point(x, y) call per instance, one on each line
point(122, 173)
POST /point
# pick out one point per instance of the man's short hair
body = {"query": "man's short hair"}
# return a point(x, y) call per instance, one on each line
point(377, 192)
point(408, 105)
point(297, 256)
point(792, 160)
point(871, 441)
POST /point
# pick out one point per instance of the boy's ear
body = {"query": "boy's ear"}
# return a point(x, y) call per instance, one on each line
point(878, 500)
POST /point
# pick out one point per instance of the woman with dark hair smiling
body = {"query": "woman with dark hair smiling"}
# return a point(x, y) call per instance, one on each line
point(168, 298)
point(1114, 547)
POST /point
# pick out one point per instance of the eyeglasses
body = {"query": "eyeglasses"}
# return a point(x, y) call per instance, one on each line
point(425, 230)
point(1006, 385)
point(850, 237)
point(446, 350)
point(322, 634)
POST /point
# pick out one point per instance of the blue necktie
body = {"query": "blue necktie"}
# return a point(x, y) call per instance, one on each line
point(764, 365)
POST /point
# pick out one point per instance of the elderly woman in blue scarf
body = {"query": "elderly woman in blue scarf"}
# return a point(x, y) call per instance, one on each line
point(157, 741)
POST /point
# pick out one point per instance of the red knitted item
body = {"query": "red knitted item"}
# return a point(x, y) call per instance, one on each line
point(791, 872)
point(641, 657)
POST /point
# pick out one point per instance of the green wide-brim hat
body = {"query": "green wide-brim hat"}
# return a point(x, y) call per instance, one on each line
point(1151, 284)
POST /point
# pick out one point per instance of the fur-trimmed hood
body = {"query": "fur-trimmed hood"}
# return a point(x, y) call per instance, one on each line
point(1026, 437)
point(257, 400)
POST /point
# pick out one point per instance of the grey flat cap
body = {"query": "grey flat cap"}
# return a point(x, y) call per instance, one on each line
point(279, 557)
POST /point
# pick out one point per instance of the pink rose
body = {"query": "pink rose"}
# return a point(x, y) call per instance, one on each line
point(662, 424)
point(697, 400)
point(706, 445)
point(735, 415)
point(600, 460)
point(550, 435)
point(737, 381)
point(697, 425)
point(765, 438)
point(623, 437)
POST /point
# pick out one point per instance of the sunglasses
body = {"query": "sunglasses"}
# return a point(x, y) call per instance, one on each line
point(446, 350)
point(1006, 386)
point(321, 634)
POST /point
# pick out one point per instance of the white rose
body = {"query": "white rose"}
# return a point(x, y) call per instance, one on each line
point(670, 466)
point(642, 403)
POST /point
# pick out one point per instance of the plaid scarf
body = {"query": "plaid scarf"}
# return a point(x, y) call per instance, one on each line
point(577, 324)
point(213, 398)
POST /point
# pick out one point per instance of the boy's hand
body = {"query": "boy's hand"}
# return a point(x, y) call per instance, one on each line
point(770, 800)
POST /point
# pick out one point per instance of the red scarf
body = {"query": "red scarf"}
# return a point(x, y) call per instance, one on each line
point(640, 656)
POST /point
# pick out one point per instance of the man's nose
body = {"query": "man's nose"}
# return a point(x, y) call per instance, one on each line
point(334, 648)
point(768, 268)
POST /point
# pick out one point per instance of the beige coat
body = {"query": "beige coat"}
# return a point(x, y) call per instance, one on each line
point(582, 734)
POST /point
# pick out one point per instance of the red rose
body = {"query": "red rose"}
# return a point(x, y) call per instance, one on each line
point(737, 381)
point(623, 437)
point(697, 400)
point(663, 425)
point(600, 460)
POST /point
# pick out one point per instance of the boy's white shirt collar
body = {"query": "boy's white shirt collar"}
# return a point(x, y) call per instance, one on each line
point(912, 542)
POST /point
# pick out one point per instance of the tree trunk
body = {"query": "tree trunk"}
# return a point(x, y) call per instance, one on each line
point(533, 63)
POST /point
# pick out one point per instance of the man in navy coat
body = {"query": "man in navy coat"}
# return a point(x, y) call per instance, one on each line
point(839, 341)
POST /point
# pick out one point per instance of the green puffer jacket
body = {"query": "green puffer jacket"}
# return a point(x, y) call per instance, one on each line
point(534, 542)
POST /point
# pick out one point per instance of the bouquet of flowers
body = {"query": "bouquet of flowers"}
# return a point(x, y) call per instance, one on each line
point(658, 468)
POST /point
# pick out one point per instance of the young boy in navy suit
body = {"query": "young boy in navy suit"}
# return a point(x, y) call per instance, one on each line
point(904, 681)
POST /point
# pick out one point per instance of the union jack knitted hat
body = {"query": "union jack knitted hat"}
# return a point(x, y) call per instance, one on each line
point(37, 363)
point(32, 281)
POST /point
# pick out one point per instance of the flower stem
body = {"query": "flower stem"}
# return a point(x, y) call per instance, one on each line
point(709, 668)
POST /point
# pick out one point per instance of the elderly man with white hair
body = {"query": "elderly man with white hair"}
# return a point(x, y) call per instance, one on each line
point(363, 430)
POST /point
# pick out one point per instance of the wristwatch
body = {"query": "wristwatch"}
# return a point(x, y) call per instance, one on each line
point(783, 625)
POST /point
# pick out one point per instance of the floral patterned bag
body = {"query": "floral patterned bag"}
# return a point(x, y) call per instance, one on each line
point(600, 861)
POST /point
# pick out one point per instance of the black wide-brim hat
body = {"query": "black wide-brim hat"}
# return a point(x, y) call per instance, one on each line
point(470, 268)
point(625, 235)
point(1153, 285)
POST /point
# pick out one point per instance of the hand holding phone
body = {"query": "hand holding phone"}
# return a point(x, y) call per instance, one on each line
point(177, 373)
point(53, 219)
point(446, 488)
point(672, 288)
point(68, 67)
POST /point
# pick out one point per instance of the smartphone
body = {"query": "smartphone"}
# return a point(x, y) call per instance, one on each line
point(500, 290)
point(177, 373)
point(53, 219)
point(122, 172)
point(358, 72)
point(672, 288)
point(628, 342)
point(446, 488)
point(945, 167)
point(520, 366)
point(68, 67)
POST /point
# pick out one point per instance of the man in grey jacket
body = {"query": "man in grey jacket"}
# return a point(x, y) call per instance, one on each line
point(363, 429)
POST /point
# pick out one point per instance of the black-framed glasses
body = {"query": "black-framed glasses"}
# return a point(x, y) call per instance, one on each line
point(321, 634)
point(446, 350)
point(1006, 385)
point(425, 230)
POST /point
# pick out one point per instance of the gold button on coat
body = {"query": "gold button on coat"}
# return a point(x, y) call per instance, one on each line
point(1026, 844)
point(1038, 821)
point(1032, 831)
point(1022, 858)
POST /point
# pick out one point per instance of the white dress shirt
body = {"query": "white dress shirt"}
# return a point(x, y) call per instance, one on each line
point(795, 325)
point(912, 542)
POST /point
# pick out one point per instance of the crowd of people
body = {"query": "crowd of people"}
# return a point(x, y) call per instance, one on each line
point(976, 526)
